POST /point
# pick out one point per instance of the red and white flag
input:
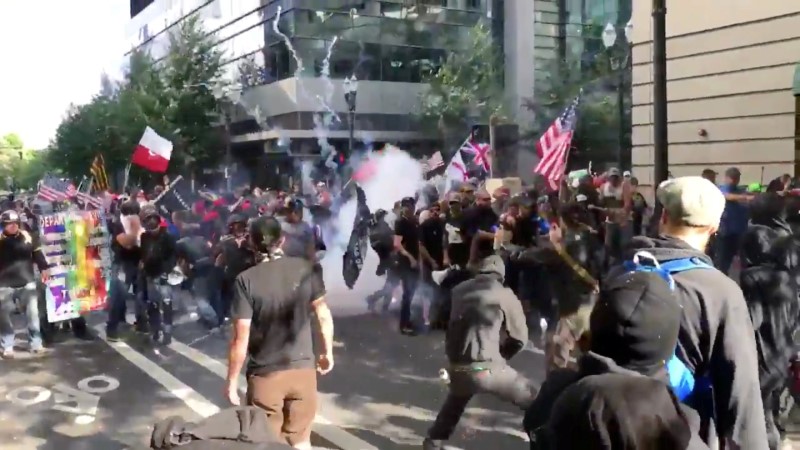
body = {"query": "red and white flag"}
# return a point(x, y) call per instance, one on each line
point(153, 152)
point(456, 171)
point(553, 147)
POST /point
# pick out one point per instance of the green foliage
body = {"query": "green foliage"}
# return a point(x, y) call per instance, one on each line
point(597, 136)
point(172, 96)
point(468, 85)
point(11, 141)
point(22, 167)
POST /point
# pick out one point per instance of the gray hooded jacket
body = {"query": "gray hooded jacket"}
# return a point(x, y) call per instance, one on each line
point(483, 311)
point(716, 340)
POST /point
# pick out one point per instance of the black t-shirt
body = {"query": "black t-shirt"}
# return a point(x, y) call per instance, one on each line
point(277, 296)
point(408, 229)
point(431, 236)
point(122, 255)
point(480, 219)
point(526, 230)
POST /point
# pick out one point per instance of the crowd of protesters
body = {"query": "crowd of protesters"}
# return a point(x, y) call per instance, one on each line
point(649, 343)
point(624, 301)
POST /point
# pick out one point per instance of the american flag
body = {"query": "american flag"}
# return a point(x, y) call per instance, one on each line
point(480, 152)
point(54, 189)
point(553, 147)
point(433, 163)
point(88, 199)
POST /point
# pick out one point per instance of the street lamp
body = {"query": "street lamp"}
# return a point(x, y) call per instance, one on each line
point(350, 91)
point(620, 64)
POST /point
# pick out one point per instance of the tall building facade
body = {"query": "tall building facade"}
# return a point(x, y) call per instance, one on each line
point(732, 81)
point(298, 69)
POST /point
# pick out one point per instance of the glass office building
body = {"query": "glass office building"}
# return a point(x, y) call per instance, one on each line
point(387, 40)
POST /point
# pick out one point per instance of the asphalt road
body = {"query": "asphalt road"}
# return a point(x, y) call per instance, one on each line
point(383, 393)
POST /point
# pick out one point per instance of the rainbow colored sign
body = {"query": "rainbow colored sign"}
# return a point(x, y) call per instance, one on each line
point(76, 244)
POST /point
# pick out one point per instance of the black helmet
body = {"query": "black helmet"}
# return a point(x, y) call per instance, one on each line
point(151, 220)
point(264, 233)
point(9, 216)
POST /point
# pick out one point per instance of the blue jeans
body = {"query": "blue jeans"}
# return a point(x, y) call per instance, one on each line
point(27, 296)
point(201, 288)
point(123, 278)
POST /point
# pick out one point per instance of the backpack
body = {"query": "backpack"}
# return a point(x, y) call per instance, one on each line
point(240, 428)
point(681, 378)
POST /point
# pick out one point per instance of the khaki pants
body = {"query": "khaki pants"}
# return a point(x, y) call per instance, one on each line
point(563, 341)
point(290, 399)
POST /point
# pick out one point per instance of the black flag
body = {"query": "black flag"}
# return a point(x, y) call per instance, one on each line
point(353, 259)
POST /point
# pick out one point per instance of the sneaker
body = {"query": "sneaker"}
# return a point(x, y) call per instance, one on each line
point(408, 331)
point(38, 350)
point(430, 444)
point(112, 335)
point(8, 353)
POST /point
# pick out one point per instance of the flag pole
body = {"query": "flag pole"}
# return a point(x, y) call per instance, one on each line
point(125, 180)
point(88, 191)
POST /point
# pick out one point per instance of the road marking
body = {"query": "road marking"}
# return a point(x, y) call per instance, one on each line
point(323, 427)
point(196, 402)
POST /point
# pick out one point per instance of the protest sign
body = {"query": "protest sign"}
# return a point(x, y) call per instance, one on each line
point(76, 244)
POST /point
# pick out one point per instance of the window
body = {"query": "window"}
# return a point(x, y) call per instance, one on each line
point(395, 63)
point(278, 61)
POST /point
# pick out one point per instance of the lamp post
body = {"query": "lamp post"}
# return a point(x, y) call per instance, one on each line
point(350, 91)
point(620, 64)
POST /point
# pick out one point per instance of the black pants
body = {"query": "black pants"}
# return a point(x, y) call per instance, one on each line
point(501, 381)
point(408, 279)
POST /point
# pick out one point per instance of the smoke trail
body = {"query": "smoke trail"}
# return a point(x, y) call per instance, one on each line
point(326, 77)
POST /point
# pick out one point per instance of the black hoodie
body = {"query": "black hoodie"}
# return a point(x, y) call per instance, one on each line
point(770, 288)
point(621, 412)
point(483, 311)
point(537, 422)
point(767, 223)
point(716, 340)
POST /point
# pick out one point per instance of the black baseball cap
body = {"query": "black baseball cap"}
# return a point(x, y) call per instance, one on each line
point(408, 201)
point(636, 321)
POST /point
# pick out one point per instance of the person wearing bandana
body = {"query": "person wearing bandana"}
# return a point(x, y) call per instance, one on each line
point(232, 257)
point(158, 259)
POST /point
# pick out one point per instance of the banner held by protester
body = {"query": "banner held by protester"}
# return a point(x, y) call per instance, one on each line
point(76, 244)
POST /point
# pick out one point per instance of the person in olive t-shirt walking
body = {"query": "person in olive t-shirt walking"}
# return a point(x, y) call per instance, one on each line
point(273, 305)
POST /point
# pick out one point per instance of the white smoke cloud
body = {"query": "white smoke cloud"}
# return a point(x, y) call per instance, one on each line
point(397, 175)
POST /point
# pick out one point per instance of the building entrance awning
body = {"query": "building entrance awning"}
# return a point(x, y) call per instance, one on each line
point(796, 81)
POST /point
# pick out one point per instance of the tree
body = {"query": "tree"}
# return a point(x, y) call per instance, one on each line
point(468, 87)
point(174, 96)
point(11, 141)
point(193, 77)
point(596, 134)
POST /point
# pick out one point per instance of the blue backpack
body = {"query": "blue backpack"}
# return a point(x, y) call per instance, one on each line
point(681, 378)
